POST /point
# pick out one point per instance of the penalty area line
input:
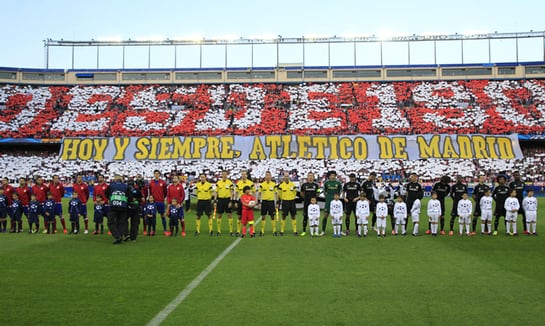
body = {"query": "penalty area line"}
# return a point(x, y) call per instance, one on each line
point(169, 308)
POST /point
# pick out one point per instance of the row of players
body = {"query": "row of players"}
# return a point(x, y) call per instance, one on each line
point(364, 200)
point(400, 212)
point(362, 213)
point(226, 195)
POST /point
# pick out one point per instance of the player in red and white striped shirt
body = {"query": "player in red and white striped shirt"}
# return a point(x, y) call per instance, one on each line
point(57, 190)
point(40, 190)
point(82, 190)
point(158, 189)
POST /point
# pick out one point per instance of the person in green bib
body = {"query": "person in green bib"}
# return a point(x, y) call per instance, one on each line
point(331, 187)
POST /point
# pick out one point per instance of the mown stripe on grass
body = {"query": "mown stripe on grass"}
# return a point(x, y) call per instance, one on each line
point(163, 314)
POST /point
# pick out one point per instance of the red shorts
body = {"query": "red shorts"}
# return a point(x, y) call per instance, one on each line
point(247, 215)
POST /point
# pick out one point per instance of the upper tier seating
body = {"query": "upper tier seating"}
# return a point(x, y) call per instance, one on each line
point(455, 107)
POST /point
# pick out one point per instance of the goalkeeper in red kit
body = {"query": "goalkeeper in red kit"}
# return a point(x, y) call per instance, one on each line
point(248, 202)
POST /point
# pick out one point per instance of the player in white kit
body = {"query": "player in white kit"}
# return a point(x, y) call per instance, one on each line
point(336, 211)
point(400, 215)
point(465, 208)
point(434, 211)
point(415, 215)
point(382, 212)
point(313, 213)
point(363, 210)
point(529, 204)
point(512, 206)
point(486, 212)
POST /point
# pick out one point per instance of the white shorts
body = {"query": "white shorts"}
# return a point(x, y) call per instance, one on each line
point(510, 216)
point(362, 220)
point(486, 215)
point(415, 217)
point(381, 223)
point(531, 216)
point(337, 220)
point(434, 218)
point(400, 219)
point(464, 219)
point(315, 221)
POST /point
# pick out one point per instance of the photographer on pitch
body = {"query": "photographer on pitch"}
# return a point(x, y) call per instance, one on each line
point(119, 195)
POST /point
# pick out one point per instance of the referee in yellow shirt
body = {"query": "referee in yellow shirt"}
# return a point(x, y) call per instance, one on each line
point(266, 198)
point(287, 192)
point(204, 205)
point(243, 182)
point(225, 192)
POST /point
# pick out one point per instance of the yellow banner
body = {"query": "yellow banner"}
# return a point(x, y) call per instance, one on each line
point(358, 147)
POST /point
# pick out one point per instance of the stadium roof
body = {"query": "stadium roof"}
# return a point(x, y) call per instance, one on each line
point(353, 50)
point(287, 40)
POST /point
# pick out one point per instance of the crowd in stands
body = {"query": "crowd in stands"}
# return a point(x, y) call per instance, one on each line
point(17, 164)
point(453, 107)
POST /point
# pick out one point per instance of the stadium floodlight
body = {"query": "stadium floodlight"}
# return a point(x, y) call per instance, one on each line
point(348, 35)
point(351, 37)
point(113, 39)
point(265, 37)
point(178, 38)
point(386, 35)
point(316, 37)
point(475, 33)
point(157, 38)
point(194, 38)
point(432, 35)
point(230, 37)
point(152, 38)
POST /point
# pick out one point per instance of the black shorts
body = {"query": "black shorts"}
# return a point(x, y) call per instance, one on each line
point(204, 206)
point(477, 212)
point(350, 208)
point(223, 206)
point(454, 212)
point(239, 208)
point(372, 206)
point(305, 209)
point(500, 211)
point(288, 207)
point(33, 218)
point(268, 208)
point(390, 209)
point(50, 218)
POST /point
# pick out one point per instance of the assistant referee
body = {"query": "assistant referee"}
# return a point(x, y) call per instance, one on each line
point(266, 197)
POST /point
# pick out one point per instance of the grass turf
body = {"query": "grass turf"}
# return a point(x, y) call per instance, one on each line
point(84, 280)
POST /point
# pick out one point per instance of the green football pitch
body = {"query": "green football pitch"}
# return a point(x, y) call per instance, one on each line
point(85, 280)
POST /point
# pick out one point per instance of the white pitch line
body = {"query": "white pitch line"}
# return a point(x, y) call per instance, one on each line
point(163, 314)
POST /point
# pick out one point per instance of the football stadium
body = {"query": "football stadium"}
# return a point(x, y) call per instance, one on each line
point(453, 152)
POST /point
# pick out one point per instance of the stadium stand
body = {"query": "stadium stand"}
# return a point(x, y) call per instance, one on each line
point(453, 107)
point(47, 164)
point(35, 112)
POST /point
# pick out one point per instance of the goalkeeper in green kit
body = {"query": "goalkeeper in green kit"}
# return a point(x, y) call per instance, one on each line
point(331, 187)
